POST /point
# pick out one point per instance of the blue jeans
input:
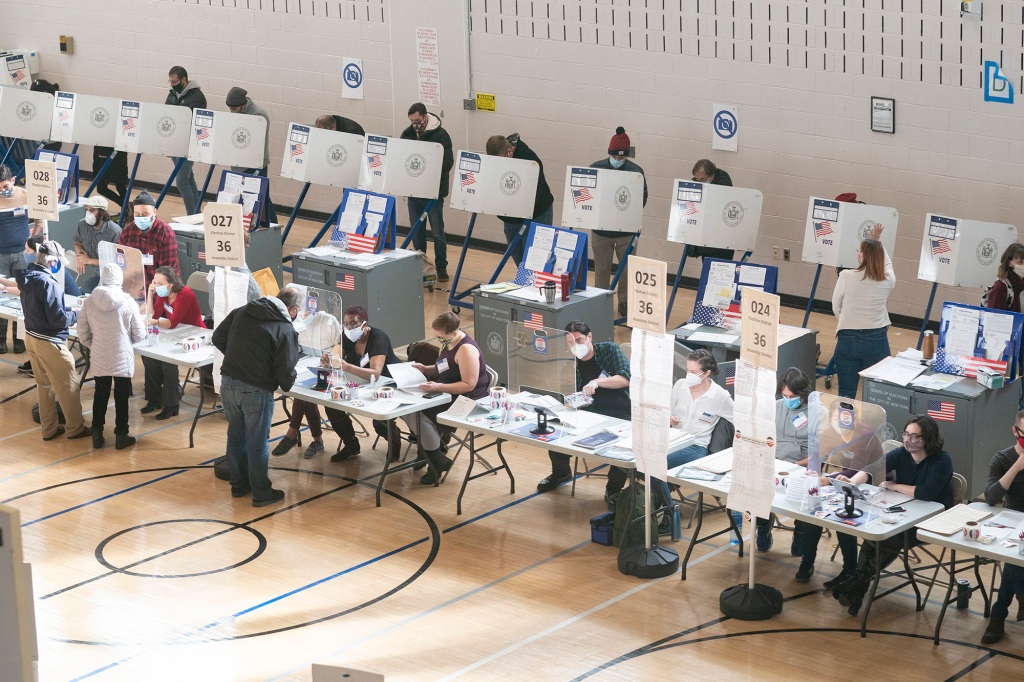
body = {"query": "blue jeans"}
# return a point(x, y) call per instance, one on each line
point(249, 411)
point(436, 218)
point(858, 349)
point(185, 181)
point(512, 227)
point(1011, 585)
point(680, 457)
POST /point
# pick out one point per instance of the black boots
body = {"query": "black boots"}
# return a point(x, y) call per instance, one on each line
point(439, 462)
point(351, 449)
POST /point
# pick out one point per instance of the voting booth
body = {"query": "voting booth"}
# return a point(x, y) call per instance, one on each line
point(603, 199)
point(152, 129)
point(716, 216)
point(25, 115)
point(721, 286)
point(322, 157)
point(227, 139)
point(366, 222)
point(491, 185)
point(84, 119)
point(17, 70)
point(405, 168)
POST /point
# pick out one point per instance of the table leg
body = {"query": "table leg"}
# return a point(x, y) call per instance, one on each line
point(696, 533)
point(387, 461)
point(195, 419)
point(949, 595)
point(981, 585)
point(871, 591)
point(508, 470)
point(739, 534)
point(469, 472)
point(912, 575)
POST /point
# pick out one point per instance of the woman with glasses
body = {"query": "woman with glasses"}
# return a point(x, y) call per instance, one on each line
point(921, 469)
point(365, 351)
point(460, 370)
point(862, 320)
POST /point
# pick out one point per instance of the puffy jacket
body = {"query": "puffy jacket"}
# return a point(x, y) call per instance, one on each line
point(259, 344)
point(436, 133)
point(108, 325)
point(191, 97)
point(42, 304)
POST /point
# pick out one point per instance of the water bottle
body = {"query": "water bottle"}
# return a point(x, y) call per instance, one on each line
point(154, 335)
point(963, 593)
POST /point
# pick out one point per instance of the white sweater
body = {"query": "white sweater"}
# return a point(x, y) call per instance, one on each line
point(859, 303)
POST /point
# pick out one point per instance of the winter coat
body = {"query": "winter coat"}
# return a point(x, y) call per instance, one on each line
point(108, 325)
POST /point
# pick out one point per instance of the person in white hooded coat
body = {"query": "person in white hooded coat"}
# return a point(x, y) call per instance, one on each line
point(108, 325)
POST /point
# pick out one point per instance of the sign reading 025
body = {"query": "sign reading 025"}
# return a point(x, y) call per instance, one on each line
point(646, 310)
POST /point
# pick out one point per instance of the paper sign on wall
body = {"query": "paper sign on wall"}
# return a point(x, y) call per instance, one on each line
point(41, 185)
point(428, 67)
point(725, 127)
point(225, 234)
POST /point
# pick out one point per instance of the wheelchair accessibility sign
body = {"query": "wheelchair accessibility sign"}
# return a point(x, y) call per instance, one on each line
point(352, 78)
point(725, 128)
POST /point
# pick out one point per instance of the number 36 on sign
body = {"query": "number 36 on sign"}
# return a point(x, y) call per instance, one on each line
point(225, 235)
point(760, 328)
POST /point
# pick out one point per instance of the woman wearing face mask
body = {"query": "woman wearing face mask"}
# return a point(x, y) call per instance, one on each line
point(169, 303)
point(14, 231)
point(602, 371)
point(152, 236)
point(921, 469)
point(459, 370)
point(1005, 293)
point(859, 303)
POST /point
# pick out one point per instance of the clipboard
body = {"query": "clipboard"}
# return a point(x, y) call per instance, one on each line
point(560, 240)
point(366, 222)
point(67, 172)
point(1002, 360)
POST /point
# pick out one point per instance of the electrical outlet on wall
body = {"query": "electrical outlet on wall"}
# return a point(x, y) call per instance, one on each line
point(785, 254)
point(777, 252)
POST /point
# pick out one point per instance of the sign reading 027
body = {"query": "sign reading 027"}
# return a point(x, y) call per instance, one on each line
point(646, 310)
point(225, 234)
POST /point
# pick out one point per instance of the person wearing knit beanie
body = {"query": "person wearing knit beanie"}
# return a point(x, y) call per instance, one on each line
point(111, 275)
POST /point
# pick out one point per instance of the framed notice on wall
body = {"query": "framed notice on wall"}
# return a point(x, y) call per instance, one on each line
point(883, 115)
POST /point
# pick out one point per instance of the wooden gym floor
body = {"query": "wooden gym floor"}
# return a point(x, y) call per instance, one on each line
point(145, 568)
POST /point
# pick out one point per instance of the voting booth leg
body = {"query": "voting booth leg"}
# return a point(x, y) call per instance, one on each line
point(454, 295)
point(622, 269)
point(648, 562)
point(679, 278)
point(295, 212)
point(752, 601)
point(810, 298)
point(170, 180)
point(505, 257)
point(131, 185)
point(206, 186)
point(421, 223)
point(927, 314)
point(102, 172)
point(323, 230)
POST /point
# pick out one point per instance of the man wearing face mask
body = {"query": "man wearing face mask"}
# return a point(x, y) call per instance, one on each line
point(239, 102)
point(96, 227)
point(602, 372)
point(185, 93)
point(427, 128)
point(606, 244)
point(152, 236)
point(260, 347)
point(14, 232)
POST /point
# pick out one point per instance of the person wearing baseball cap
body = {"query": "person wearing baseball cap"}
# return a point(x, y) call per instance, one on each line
point(96, 227)
point(605, 243)
point(239, 102)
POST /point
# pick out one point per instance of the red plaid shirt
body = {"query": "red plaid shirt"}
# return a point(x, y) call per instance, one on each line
point(158, 241)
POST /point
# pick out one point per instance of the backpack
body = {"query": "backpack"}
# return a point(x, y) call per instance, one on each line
point(629, 510)
point(1009, 295)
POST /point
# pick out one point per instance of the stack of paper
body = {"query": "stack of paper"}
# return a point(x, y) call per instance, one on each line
point(953, 519)
point(718, 463)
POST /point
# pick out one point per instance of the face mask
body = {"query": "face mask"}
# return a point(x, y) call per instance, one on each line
point(1020, 437)
point(30, 258)
point(90, 219)
point(693, 379)
point(616, 162)
point(1019, 269)
point(178, 88)
point(298, 324)
point(444, 342)
point(6, 193)
point(792, 403)
point(354, 335)
point(54, 266)
point(580, 350)
point(163, 291)
point(144, 222)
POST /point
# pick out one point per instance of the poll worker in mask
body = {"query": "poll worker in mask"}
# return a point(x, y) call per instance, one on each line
point(96, 227)
point(1005, 293)
point(152, 236)
point(14, 231)
point(602, 372)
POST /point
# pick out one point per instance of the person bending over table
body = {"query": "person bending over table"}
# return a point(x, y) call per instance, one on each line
point(602, 372)
point(460, 370)
point(790, 444)
point(1006, 486)
point(169, 303)
point(862, 320)
point(920, 468)
point(847, 450)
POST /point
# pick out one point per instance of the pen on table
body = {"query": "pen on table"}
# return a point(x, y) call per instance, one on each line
point(995, 525)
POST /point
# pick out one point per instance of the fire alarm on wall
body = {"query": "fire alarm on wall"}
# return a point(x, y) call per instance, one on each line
point(66, 44)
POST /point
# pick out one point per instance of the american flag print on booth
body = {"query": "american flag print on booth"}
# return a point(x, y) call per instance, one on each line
point(942, 410)
point(346, 282)
point(580, 196)
point(940, 246)
point(202, 134)
point(297, 149)
point(729, 373)
point(468, 179)
point(374, 160)
point(128, 124)
point(533, 320)
point(822, 228)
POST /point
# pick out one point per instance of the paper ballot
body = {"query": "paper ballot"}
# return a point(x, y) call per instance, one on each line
point(407, 378)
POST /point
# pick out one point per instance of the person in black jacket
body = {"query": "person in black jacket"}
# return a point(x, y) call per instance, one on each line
point(185, 93)
point(607, 243)
point(260, 347)
point(707, 172)
point(339, 124)
point(427, 128)
point(543, 204)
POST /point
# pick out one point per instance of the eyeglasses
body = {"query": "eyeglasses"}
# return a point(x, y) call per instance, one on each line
point(354, 324)
point(912, 437)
